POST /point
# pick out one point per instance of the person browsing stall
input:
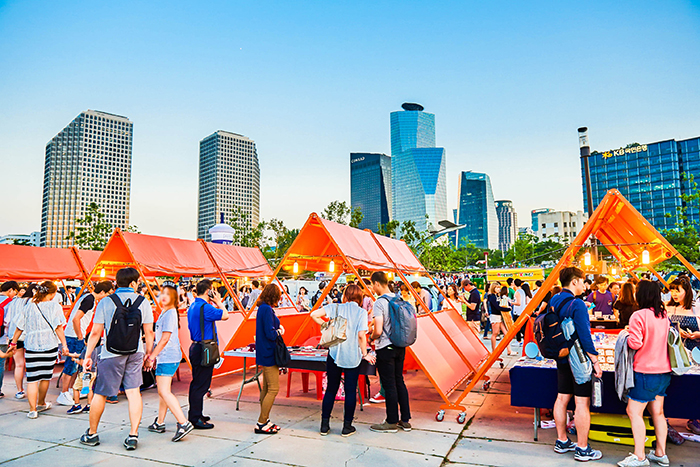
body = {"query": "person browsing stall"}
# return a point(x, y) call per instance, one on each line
point(201, 375)
point(601, 297)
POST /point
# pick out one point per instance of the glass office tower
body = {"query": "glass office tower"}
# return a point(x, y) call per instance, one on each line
point(651, 176)
point(89, 161)
point(229, 178)
point(418, 172)
point(477, 210)
point(507, 224)
point(370, 188)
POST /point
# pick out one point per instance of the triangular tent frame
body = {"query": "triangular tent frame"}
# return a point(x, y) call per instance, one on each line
point(625, 233)
point(447, 350)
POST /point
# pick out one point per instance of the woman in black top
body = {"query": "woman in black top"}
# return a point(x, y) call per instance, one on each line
point(625, 305)
point(495, 310)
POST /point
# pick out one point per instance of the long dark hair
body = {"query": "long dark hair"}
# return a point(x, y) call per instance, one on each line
point(526, 288)
point(649, 296)
point(684, 284)
point(454, 289)
point(627, 295)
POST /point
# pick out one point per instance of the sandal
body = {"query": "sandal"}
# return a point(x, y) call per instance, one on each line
point(276, 427)
point(267, 429)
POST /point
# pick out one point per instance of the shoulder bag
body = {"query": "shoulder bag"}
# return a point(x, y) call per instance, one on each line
point(334, 331)
point(210, 347)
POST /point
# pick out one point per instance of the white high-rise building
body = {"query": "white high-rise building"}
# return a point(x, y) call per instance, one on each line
point(89, 161)
point(229, 178)
point(560, 225)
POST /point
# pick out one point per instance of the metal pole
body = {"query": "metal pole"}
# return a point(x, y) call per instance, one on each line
point(585, 151)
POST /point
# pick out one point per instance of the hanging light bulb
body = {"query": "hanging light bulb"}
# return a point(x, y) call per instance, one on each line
point(390, 276)
point(645, 256)
point(103, 273)
point(587, 258)
point(331, 266)
point(613, 271)
point(295, 268)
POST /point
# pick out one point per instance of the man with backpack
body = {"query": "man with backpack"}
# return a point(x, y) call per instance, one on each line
point(123, 317)
point(566, 305)
point(390, 355)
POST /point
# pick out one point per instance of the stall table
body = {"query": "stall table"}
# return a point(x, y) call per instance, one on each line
point(682, 400)
point(300, 360)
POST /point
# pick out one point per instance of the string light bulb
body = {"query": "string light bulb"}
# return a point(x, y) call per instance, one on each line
point(587, 258)
point(645, 256)
point(613, 271)
point(295, 268)
point(331, 266)
point(103, 273)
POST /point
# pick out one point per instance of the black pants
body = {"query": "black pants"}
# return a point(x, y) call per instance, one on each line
point(334, 373)
point(201, 381)
point(390, 366)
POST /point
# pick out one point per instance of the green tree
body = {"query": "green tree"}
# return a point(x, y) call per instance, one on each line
point(356, 217)
point(21, 241)
point(685, 237)
point(388, 229)
point(91, 231)
point(245, 234)
point(337, 211)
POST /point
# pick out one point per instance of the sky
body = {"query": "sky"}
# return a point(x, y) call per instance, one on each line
point(310, 82)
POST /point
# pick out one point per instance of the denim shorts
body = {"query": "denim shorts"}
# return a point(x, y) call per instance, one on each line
point(75, 345)
point(647, 386)
point(167, 369)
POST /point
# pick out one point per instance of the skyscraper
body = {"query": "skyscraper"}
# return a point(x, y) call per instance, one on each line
point(89, 161)
point(507, 224)
point(370, 188)
point(418, 173)
point(229, 179)
point(477, 210)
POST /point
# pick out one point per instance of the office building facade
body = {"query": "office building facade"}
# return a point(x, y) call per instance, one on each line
point(32, 239)
point(562, 226)
point(534, 214)
point(89, 161)
point(477, 210)
point(229, 180)
point(418, 170)
point(507, 224)
point(370, 188)
point(653, 177)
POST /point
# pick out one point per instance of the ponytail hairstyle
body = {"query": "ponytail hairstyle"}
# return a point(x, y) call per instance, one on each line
point(43, 290)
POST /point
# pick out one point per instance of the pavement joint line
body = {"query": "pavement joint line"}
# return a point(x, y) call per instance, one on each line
point(445, 459)
point(31, 453)
point(357, 456)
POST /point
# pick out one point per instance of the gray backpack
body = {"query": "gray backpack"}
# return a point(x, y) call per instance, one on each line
point(403, 329)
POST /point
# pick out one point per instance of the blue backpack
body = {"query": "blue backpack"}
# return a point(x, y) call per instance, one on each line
point(403, 329)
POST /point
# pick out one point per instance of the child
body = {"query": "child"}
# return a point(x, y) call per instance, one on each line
point(79, 381)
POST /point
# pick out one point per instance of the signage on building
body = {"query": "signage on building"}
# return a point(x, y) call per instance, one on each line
point(623, 151)
point(359, 159)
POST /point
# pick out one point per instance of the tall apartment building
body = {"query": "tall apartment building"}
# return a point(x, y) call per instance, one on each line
point(418, 170)
point(229, 178)
point(477, 210)
point(534, 215)
point(89, 161)
point(507, 224)
point(370, 188)
point(653, 177)
point(564, 225)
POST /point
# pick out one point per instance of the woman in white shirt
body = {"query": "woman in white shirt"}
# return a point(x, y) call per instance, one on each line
point(302, 300)
point(42, 322)
point(454, 300)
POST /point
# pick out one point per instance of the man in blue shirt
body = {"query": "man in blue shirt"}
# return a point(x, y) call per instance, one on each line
point(567, 305)
point(201, 376)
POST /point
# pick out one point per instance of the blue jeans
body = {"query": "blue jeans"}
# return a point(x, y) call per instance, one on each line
point(2, 365)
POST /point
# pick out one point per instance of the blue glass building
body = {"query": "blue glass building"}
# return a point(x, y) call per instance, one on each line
point(477, 210)
point(418, 172)
point(370, 188)
point(651, 176)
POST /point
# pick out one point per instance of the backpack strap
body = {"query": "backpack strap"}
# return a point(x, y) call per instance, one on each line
point(116, 300)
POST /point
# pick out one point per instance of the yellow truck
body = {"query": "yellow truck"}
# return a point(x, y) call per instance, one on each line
point(530, 275)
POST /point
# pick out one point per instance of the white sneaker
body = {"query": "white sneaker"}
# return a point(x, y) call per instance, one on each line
point(20, 395)
point(65, 398)
point(32, 414)
point(633, 461)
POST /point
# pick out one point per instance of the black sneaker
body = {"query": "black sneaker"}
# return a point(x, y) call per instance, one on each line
point(88, 439)
point(131, 442)
point(561, 447)
point(325, 426)
point(182, 431)
point(588, 454)
point(156, 427)
point(348, 430)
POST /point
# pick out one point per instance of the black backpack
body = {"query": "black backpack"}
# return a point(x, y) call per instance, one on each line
point(548, 333)
point(314, 299)
point(125, 331)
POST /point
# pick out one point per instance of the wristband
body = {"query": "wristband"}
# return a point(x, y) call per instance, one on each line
point(13, 344)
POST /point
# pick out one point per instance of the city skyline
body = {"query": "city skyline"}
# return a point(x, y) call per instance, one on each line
point(508, 101)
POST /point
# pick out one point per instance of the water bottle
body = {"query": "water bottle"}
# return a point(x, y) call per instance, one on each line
point(85, 390)
point(597, 396)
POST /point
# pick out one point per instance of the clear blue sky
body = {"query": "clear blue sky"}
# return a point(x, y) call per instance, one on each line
point(310, 82)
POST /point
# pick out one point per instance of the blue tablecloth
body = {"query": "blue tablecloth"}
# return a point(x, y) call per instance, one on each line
point(537, 387)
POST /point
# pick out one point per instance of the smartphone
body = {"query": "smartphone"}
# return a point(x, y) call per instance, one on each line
point(211, 294)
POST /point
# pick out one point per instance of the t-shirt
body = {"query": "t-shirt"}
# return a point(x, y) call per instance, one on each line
point(252, 298)
point(86, 304)
point(348, 354)
point(5, 339)
point(211, 314)
point(40, 333)
point(381, 308)
point(603, 302)
point(474, 297)
point(167, 322)
point(105, 312)
point(518, 309)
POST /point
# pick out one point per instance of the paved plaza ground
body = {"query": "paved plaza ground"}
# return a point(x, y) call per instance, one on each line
point(496, 434)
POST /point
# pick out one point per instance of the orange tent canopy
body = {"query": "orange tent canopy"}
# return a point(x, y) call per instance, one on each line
point(238, 261)
point(24, 263)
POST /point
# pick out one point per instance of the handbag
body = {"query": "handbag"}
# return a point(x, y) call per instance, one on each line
point(334, 331)
point(210, 347)
point(282, 356)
